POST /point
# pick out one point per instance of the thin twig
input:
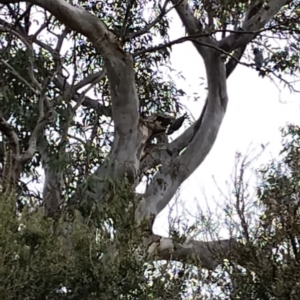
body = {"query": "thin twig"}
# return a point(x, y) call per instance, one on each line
point(163, 13)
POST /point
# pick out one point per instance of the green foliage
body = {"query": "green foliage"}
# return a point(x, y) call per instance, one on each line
point(72, 259)
point(88, 130)
point(100, 256)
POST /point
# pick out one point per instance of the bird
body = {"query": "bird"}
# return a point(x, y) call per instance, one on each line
point(259, 61)
point(176, 124)
point(258, 58)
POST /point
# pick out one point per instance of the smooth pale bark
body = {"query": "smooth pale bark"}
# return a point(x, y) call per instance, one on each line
point(206, 255)
point(129, 136)
point(255, 23)
point(119, 68)
point(170, 177)
point(167, 181)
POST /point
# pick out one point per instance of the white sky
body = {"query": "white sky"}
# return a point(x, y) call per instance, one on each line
point(256, 110)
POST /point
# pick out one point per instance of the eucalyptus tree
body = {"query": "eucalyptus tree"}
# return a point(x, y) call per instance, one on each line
point(83, 98)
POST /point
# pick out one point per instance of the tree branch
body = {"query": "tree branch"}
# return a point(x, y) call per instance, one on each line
point(255, 23)
point(199, 138)
point(206, 255)
point(164, 12)
point(119, 67)
point(12, 168)
point(61, 82)
point(35, 135)
point(170, 177)
point(195, 39)
point(53, 182)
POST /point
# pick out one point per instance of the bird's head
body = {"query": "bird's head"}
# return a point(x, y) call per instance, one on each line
point(255, 50)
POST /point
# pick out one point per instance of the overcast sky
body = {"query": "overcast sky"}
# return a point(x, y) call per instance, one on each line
point(256, 110)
